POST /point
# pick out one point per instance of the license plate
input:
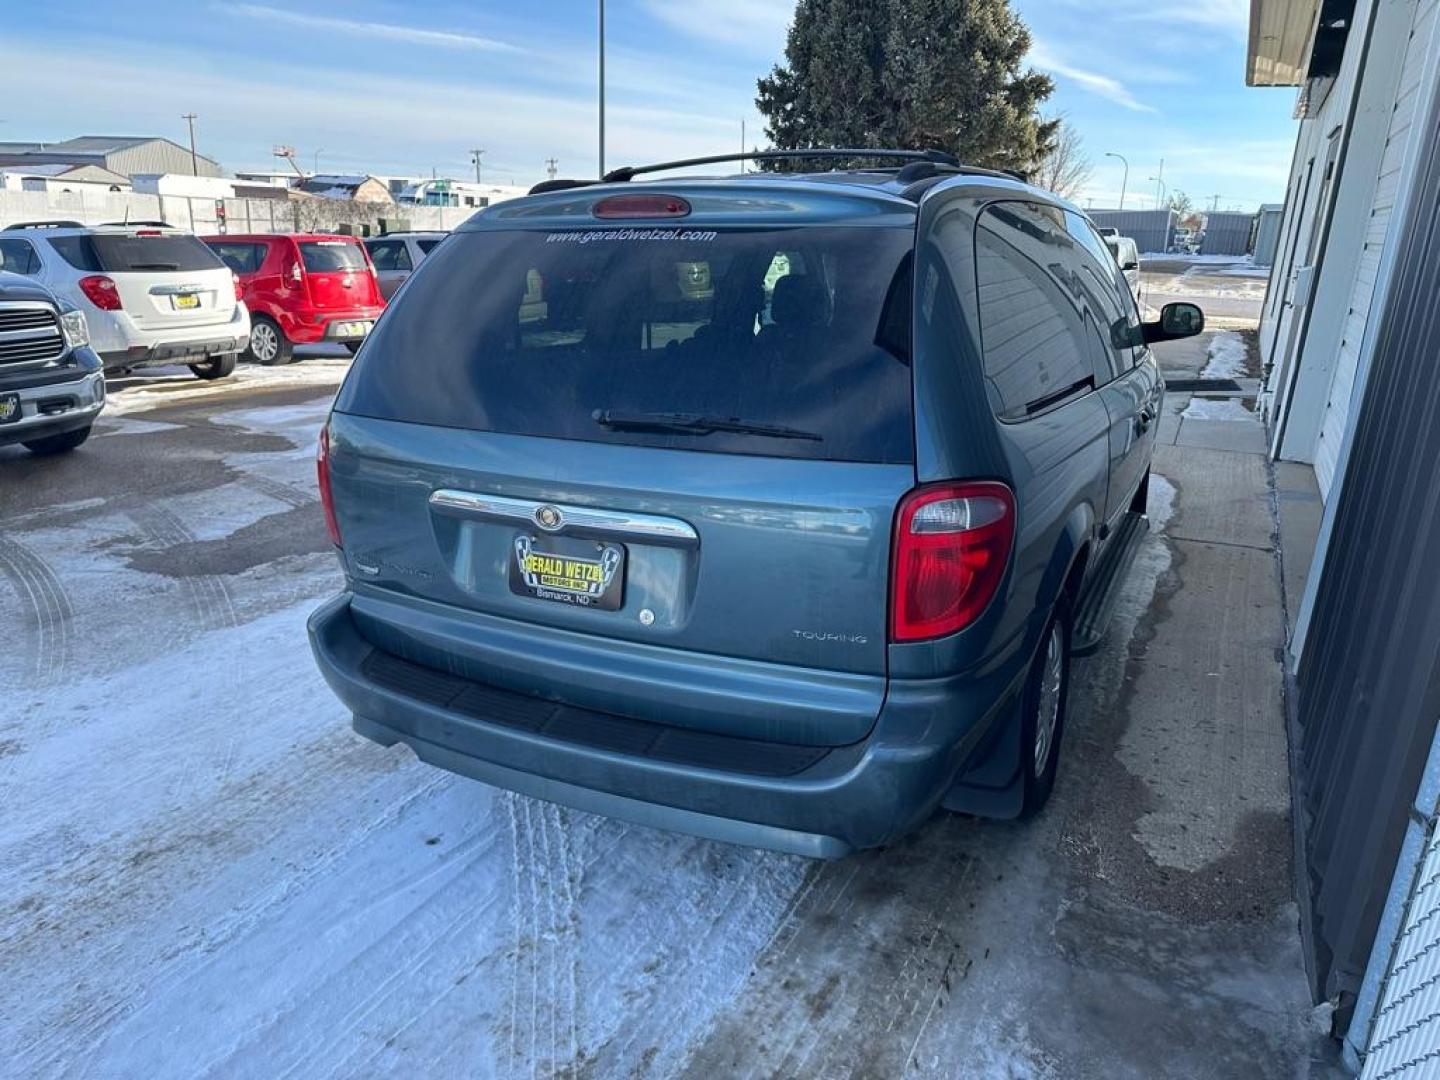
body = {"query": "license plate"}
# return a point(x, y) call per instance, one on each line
point(184, 301)
point(585, 573)
point(9, 408)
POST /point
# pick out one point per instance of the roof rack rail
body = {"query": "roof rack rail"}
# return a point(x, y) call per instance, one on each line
point(134, 224)
point(937, 157)
point(559, 185)
point(44, 225)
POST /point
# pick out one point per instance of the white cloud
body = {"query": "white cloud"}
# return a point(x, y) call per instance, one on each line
point(1105, 86)
point(448, 39)
point(759, 24)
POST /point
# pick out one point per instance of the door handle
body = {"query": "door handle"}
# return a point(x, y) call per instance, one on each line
point(1143, 420)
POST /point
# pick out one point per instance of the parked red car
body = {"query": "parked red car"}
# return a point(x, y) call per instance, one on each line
point(301, 289)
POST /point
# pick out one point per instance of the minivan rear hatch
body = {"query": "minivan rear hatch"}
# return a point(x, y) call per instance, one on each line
point(689, 438)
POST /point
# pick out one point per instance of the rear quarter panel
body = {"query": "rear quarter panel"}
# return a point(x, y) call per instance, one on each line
point(1057, 463)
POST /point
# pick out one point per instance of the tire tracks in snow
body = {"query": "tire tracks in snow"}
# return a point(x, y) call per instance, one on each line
point(45, 605)
point(545, 1017)
point(207, 595)
point(870, 945)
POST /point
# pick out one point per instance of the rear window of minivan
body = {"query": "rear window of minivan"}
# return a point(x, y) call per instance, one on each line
point(593, 335)
point(112, 253)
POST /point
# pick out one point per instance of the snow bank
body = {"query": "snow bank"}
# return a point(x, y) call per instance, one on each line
point(1201, 408)
point(1226, 357)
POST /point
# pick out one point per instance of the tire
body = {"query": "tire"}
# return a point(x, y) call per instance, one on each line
point(1042, 723)
point(268, 343)
point(217, 367)
point(58, 444)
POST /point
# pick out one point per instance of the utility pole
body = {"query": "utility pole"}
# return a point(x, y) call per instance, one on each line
point(602, 89)
point(1160, 183)
point(475, 156)
point(1125, 178)
point(1214, 203)
point(552, 167)
point(189, 118)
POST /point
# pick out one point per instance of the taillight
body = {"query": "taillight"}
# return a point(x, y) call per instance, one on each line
point(100, 291)
point(239, 289)
point(952, 544)
point(327, 498)
point(641, 206)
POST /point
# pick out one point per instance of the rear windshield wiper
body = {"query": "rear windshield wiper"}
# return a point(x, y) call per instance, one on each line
point(154, 266)
point(694, 424)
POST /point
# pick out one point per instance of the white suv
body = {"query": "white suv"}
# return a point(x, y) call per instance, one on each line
point(151, 294)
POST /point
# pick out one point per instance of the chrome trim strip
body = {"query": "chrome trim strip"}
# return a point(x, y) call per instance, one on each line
point(577, 519)
point(178, 290)
point(31, 333)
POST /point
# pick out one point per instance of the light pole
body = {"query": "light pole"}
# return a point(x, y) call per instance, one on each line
point(315, 162)
point(1160, 190)
point(1125, 178)
point(602, 89)
point(189, 118)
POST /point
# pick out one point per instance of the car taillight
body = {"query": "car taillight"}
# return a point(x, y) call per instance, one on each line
point(952, 544)
point(327, 498)
point(100, 291)
point(239, 289)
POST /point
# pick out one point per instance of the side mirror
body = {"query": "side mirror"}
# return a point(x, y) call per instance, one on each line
point(1178, 320)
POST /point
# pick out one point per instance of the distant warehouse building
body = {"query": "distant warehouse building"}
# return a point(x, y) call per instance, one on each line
point(126, 155)
point(1152, 230)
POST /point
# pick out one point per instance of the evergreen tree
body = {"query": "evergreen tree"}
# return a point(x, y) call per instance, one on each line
point(923, 74)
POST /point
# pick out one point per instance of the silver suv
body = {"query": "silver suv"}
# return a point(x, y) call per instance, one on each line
point(152, 294)
point(396, 255)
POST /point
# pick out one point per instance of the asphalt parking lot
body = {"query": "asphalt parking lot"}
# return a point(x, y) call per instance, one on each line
point(206, 873)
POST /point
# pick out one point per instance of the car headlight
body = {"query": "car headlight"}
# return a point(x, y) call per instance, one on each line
point(72, 323)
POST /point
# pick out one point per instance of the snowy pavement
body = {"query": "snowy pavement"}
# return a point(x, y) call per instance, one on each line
point(203, 872)
point(1230, 290)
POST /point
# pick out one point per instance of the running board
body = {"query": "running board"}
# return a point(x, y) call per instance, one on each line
point(1097, 604)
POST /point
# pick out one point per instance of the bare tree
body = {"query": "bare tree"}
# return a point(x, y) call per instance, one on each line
point(1066, 169)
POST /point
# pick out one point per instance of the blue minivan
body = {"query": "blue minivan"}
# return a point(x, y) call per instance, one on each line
point(767, 508)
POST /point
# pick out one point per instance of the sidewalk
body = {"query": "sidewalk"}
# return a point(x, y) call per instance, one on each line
point(1144, 925)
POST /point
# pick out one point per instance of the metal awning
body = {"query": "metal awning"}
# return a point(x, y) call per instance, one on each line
point(1280, 34)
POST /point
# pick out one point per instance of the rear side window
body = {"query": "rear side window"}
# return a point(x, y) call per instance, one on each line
point(427, 246)
point(617, 335)
point(389, 255)
point(1039, 342)
point(323, 256)
point(18, 257)
point(240, 257)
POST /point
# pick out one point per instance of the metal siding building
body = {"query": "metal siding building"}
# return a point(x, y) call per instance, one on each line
point(1152, 230)
point(1350, 333)
point(1227, 234)
point(1267, 234)
point(127, 155)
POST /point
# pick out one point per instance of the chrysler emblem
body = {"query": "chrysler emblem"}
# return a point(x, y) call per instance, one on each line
point(549, 518)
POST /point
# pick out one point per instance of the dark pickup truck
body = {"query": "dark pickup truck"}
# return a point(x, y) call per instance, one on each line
point(52, 385)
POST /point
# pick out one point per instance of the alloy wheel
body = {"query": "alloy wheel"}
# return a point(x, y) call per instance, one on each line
point(1052, 678)
point(264, 344)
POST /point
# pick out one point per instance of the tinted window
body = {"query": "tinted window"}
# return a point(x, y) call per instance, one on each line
point(427, 246)
point(389, 254)
point(118, 253)
point(77, 251)
point(239, 257)
point(322, 256)
point(1103, 290)
point(1039, 342)
point(535, 333)
point(18, 257)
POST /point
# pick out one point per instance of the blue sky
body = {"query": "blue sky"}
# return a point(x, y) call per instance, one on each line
point(396, 87)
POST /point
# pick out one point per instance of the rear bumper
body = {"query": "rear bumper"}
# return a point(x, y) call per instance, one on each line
point(125, 345)
point(311, 326)
point(55, 408)
point(840, 799)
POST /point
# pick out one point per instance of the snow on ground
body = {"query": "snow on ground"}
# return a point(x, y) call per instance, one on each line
point(1226, 356)
point(1202, 408)
point(152, 387)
